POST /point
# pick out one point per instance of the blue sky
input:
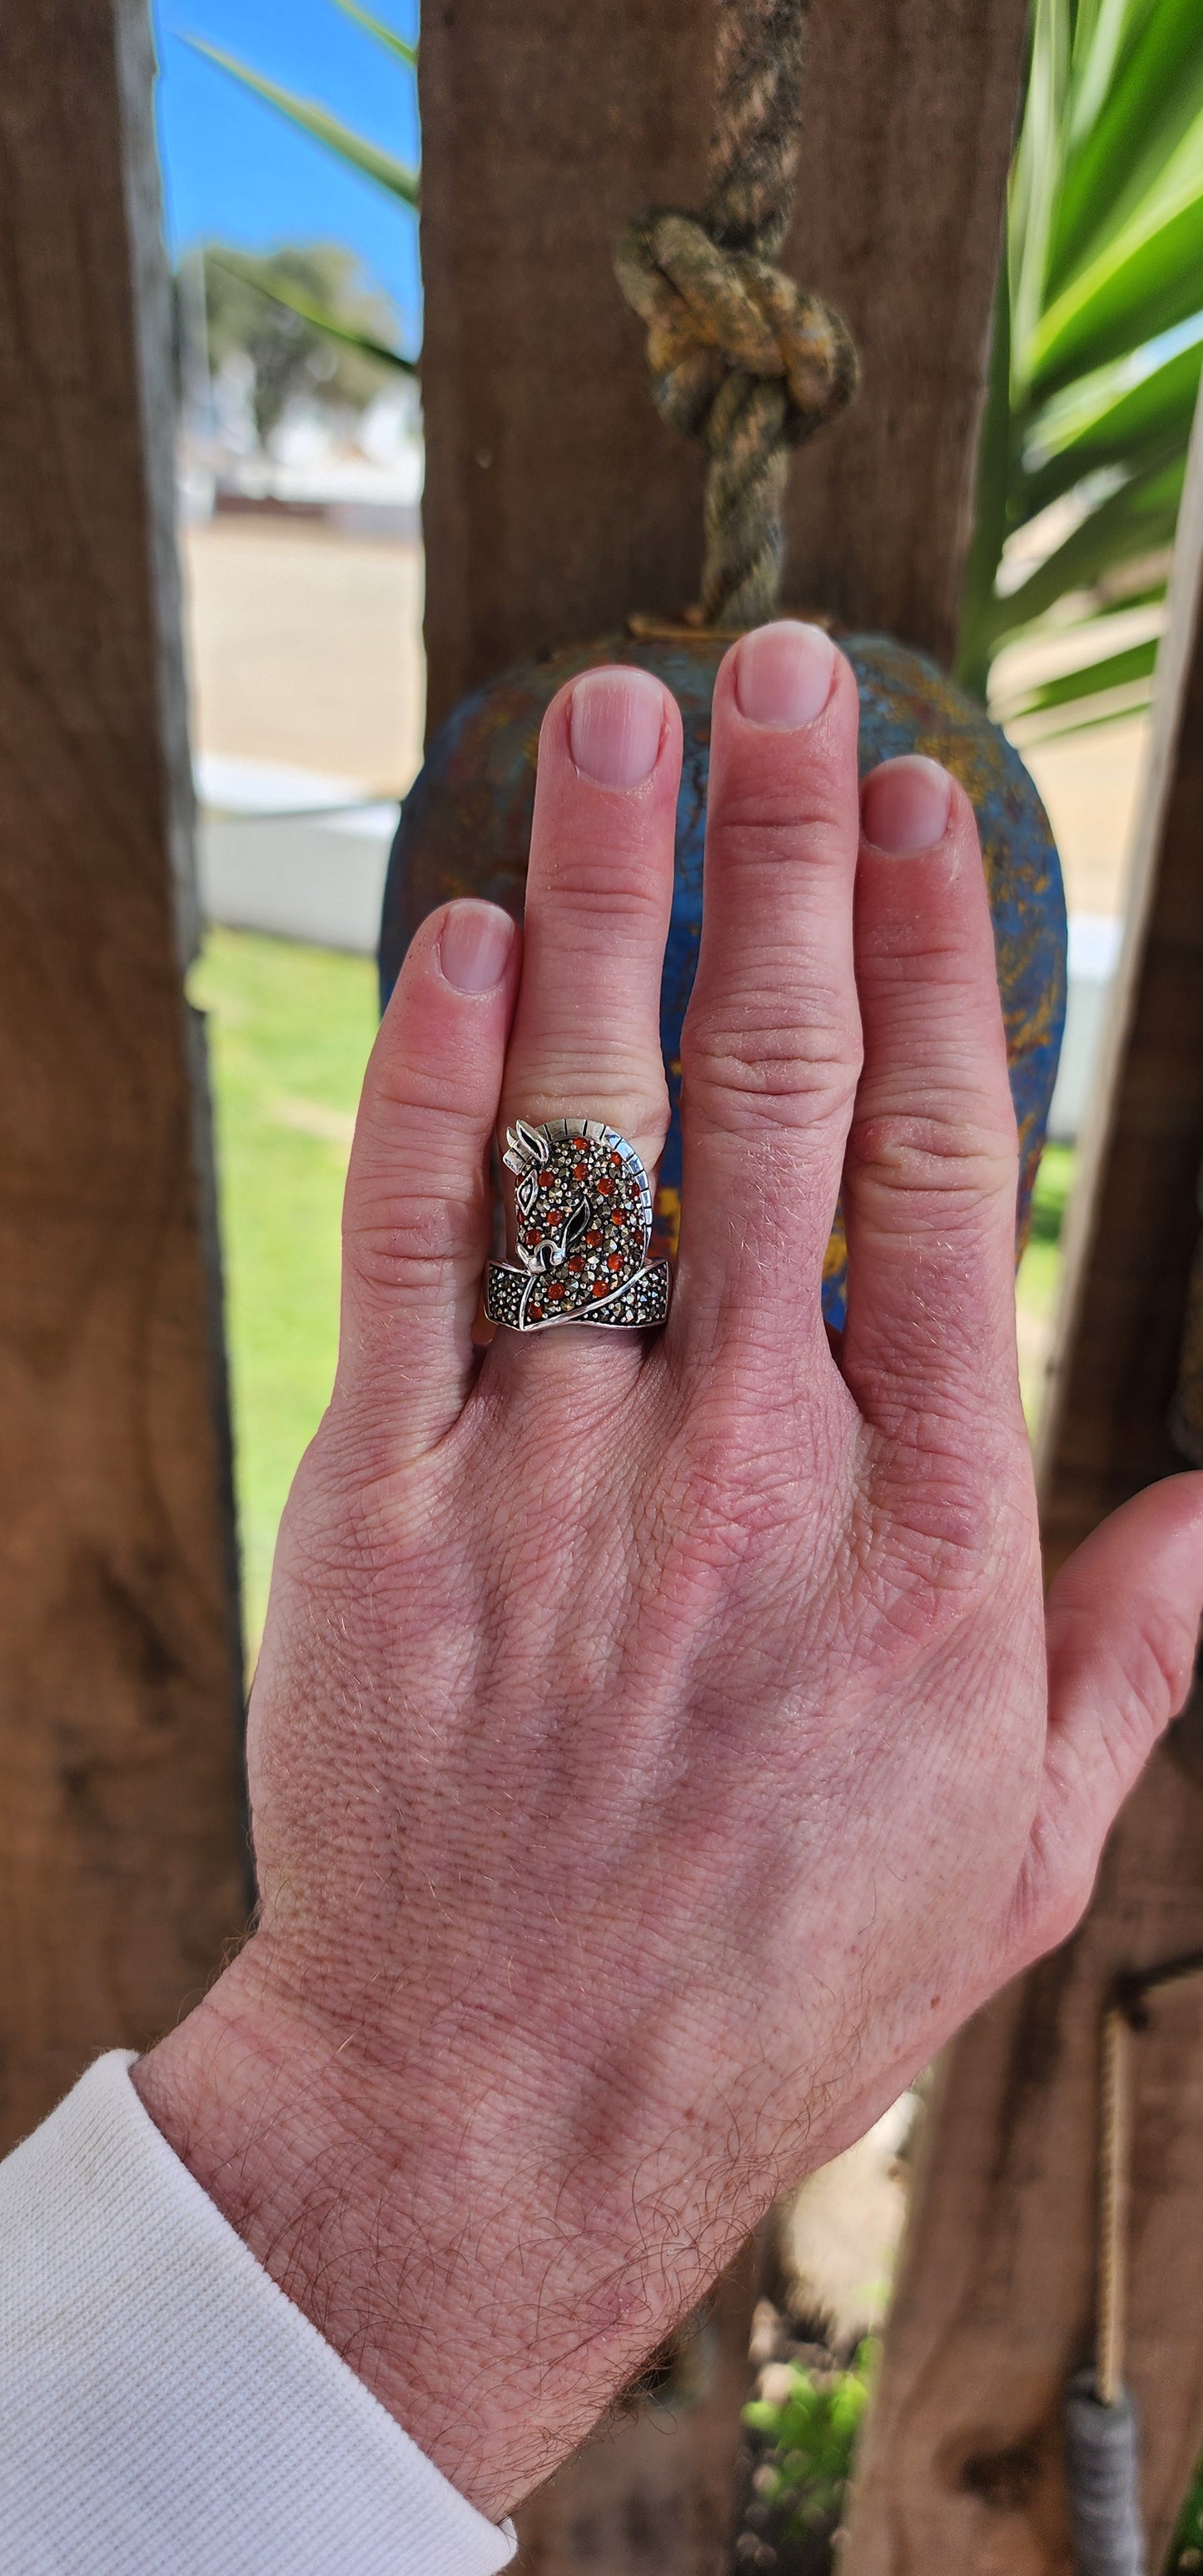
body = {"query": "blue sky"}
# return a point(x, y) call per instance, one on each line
point(234, 171)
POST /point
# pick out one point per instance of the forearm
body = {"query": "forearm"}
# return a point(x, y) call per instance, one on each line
point(455, 2229)
point(164, 2406)
point(494, 2220)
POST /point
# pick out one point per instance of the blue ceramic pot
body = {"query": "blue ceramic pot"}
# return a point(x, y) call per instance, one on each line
point(465, 829)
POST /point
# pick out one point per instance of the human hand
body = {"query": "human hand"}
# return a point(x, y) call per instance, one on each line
point(652, 1753)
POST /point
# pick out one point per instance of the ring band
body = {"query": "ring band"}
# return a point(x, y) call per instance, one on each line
point(583, 1206)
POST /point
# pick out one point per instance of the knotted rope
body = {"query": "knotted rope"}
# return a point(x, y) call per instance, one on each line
point(741, 357)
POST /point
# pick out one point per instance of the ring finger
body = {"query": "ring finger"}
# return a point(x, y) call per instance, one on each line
point(586, 1035)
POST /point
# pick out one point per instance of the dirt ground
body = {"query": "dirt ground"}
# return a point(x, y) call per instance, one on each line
point(306, 647)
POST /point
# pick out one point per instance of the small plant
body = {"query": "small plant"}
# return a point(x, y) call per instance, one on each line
point(805, 2442)
point(1186, 2548)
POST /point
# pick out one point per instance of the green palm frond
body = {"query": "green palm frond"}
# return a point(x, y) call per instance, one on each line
point(352, 149)
point(384, 35)
point(1132, 519)
point(1113, 671)
point(1099, 344)
point(323, 318)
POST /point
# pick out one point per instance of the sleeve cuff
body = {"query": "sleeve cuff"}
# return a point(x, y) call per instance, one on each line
point(165, 2405)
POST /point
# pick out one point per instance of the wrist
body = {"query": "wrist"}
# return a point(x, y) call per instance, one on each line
point(463, 2261)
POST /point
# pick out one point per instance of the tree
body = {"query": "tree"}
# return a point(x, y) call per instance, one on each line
point(263, 305)
point(1098, 345)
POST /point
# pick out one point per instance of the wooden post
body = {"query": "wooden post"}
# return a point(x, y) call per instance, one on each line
point(556, 502)
point(995, 2302)
point(121, 1850)
point(653, 2491)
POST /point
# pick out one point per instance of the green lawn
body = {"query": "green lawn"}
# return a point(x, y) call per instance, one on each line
point(1040, 1271)
point(289, 1033)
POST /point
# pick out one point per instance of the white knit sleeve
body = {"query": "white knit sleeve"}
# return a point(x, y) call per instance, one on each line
point(164, 2406)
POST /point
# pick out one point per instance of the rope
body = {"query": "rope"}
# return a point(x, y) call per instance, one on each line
point(1126, 2013)
point(1115, 2103)
point(741, 357)
point(1102, 2446)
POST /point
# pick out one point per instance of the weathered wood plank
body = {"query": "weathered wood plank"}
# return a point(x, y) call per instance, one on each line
point(121, 1851)
point(994, 2309)
point(556, 501)
point(910, 122)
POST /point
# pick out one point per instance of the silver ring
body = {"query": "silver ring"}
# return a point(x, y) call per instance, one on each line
point(583, 1207)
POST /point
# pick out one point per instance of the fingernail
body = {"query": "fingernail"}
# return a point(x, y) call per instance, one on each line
point(783, 673)
point(905, 805)
point(474, 946)
point(615, 722)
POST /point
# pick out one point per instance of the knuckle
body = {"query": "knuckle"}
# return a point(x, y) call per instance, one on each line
point(956, 1155)
point(792, 1061)
point(408, 1246)
point(597, 886)
point(632, 1098)
point(1153, 1667)
point(944, 1533)
point(758, 817)
point(430, 1114)
point(1054, 1889)
point(725, 1503)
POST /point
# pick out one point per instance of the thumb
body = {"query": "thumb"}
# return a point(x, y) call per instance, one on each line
point(1122, 1627)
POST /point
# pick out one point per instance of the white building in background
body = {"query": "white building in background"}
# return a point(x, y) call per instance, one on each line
point(1095, 940)
point(291, 851)
point(336, 461)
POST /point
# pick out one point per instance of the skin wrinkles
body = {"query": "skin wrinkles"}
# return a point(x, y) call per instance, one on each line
point(653, 1754)
point(763, 1063)
point(950, 1154)
point(902, 1410)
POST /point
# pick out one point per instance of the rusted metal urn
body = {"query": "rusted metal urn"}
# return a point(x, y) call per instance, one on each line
point(465, 829)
